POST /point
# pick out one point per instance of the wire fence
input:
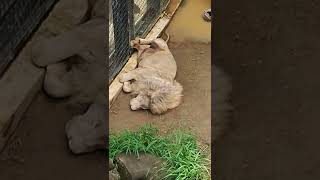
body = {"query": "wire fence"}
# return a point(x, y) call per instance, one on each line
point(18, 19)
point(127, 20)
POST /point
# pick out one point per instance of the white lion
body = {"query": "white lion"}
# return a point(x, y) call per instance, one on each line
point(153, 82)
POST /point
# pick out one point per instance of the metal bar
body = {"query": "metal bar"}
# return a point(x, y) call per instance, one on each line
point(120, 15)
point(121, 28)
point(154, 6)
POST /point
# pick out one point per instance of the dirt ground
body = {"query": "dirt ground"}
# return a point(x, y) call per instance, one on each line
point(191, 47)
point(271, 50)
point(39, 149)
point(194, 112)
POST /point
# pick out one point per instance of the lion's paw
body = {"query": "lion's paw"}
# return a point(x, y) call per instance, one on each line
point(121, 78)
point(126, 87)
point(134, 43)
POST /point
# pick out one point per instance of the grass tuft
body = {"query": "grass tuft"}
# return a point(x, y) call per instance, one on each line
point(185, 160)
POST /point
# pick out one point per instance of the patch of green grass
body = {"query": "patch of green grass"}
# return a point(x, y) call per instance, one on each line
point(185, 160)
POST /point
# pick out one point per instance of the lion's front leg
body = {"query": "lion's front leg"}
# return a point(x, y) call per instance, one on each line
point(135, 43)
point(140, 45)
point(131, 75)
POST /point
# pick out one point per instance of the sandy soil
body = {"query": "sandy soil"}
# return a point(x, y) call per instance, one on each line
point(192, 51)
point(39, 149)
point(271, 49)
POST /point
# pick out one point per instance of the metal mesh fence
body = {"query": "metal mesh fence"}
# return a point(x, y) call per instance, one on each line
point(18, 19)
point(127, 20)
point(111, 30)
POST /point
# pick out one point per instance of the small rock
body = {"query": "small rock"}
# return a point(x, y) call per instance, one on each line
point(144, 167)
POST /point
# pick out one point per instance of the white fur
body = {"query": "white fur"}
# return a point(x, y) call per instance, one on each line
point(154, 80)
